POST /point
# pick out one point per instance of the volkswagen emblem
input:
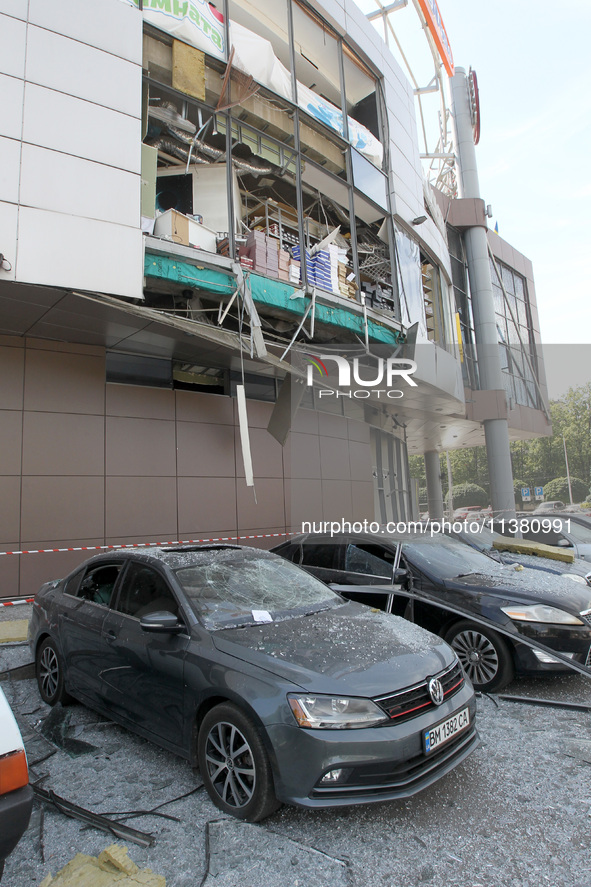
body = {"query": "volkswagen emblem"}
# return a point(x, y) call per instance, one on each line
point(436, 691)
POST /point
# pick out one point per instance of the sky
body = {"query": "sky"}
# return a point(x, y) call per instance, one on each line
point(534, 72)
point(533, 65)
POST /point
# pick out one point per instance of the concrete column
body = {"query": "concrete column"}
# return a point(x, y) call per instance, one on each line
point(496, 431)
point(434, 490)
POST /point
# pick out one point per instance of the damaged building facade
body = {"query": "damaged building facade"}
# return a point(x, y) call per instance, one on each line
point(199, 206)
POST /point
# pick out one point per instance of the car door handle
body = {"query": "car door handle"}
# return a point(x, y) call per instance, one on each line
point(110, 636)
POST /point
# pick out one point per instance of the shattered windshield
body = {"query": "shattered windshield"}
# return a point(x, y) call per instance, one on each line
point(239, 591)
point(447, 558)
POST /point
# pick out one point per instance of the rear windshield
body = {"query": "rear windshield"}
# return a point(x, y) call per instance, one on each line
point(238, 591)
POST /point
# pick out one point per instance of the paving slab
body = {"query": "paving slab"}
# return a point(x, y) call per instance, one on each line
point(14, 630)
point(251, 855)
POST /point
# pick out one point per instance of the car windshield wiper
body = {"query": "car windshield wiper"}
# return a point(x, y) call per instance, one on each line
point(471, 573)
point(316, 610)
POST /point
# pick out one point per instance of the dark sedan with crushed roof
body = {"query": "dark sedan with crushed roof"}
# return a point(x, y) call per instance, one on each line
point(464, 597)
point(275, 686)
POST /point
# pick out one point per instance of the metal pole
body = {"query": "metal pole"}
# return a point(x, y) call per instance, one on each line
point(450, 488)
point(496, 430)
point(570, 492)
point(229, 167)
point(296, 145)
point(434, 490)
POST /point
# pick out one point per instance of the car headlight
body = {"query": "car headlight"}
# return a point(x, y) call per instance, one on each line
point(334, 712)
point(541, 613)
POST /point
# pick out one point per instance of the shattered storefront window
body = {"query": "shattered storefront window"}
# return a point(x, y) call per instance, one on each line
point(410, 283)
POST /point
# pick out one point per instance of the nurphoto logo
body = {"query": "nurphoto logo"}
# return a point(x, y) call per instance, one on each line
point(387, 372)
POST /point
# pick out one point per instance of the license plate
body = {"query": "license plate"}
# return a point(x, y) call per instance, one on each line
point(446, 730)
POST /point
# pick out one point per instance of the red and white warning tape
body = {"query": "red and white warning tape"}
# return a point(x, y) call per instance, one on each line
point(146, 544)
point(28, 600)
point(132, 545)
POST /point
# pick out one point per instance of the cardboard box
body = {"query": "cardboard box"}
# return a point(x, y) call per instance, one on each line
point(182, 229)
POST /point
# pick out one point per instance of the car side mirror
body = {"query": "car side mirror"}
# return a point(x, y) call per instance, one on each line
point(400, 575)
point(161, 622)
point(564, 543)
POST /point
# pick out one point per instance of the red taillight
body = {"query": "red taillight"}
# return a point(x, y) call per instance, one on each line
point(14, 772)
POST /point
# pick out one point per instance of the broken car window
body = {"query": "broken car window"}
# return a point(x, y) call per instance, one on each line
point(229, 591)
point(98, 584)
point(369, 559)
point(145, 591)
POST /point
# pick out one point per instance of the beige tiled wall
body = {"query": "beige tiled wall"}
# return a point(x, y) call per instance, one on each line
point(85, 464)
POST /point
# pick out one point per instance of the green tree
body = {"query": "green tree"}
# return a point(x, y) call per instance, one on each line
point(558, 489)
point(575, 421)
point(537, 461)
point(542, 460)
point(469, 466)
point(468, 494)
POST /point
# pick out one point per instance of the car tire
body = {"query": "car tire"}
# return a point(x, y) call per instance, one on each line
point(234, 764)
point(49, 670)
point(485, 657)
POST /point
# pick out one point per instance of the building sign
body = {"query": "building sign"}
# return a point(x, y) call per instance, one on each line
point(438, 32)
point(194, 21)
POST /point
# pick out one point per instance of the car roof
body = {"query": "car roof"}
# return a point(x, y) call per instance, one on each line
point(178, 556)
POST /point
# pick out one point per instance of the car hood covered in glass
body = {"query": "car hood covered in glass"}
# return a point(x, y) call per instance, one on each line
point(534, 586)
point(534, 562)
point(350, 650)
point(454, 564)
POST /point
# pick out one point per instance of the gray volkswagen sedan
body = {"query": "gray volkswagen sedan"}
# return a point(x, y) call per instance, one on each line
point(272, 684)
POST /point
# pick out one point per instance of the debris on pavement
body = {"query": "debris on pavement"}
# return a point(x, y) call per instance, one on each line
point(112, 867)
point(549, 703)
point(143, 839)
point(55, 728)
point(14, 631)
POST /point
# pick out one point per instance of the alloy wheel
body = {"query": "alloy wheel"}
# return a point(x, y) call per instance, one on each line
point(230, 764)
point(49, 671)
point(477, 655)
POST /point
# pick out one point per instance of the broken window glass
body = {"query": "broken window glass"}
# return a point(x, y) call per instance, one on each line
point(410, 284)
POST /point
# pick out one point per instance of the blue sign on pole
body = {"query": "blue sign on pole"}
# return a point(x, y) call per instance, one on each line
point(525, 494)
point(539, 492)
